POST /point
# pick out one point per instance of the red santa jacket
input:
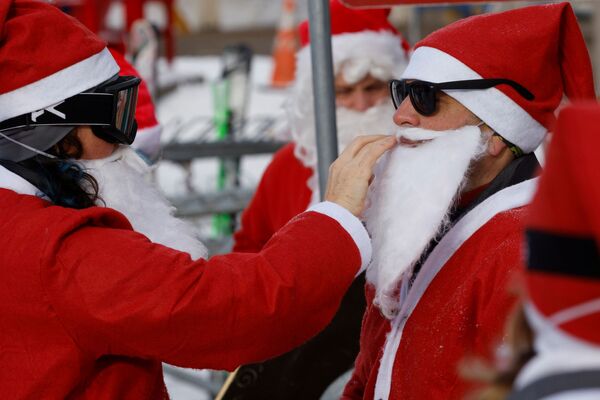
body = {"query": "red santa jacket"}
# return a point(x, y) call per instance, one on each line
point(281, 194)
point(456, 307)
point(90, 308)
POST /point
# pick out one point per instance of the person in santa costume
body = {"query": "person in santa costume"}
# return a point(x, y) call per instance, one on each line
point(446, 206)
point(563, 266)
point(90, 306)
point(147, 138)
point(367, 52)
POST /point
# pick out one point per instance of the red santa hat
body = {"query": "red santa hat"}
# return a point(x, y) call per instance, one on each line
point(563, 229)
point(539, 47)
point(363, 41)
point(46, 57)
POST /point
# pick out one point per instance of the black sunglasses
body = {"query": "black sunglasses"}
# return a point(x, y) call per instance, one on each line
point(110, 108)
point(423, 95)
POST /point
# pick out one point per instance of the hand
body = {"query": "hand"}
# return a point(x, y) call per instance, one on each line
point(351, 173)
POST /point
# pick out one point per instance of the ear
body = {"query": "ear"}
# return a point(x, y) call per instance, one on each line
point(495, 146)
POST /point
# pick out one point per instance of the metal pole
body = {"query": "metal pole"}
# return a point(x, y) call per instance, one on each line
point(596, 43)
point(323, 93)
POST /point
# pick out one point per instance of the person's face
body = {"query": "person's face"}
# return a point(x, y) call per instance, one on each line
point(93, 147)
point(451, 115)
point(362, 95)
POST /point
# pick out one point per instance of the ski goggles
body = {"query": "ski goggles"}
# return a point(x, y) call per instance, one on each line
point(110, 107)
point(423, 95)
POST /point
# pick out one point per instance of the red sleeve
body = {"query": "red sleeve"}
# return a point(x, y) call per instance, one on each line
point(117, 293)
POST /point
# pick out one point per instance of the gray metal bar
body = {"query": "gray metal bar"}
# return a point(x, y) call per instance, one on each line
point(218, 246)
point(596, 42)
point(323, 93)
point(188, 151)
point(225, 202)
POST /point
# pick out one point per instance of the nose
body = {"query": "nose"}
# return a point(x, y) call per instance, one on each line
point(406, 114)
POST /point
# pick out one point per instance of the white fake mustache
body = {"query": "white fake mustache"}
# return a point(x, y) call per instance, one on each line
point(418, 134)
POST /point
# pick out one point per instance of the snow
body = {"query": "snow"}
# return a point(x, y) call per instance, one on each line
point(183, 113)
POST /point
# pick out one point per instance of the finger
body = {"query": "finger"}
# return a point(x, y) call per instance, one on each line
point(357, 144)
point(371, 152)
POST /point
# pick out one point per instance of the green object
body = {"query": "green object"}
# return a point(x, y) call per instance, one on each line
point(222, 223)
point(230, 96)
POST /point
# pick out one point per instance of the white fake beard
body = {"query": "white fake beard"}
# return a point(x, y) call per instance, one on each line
point(350, 124)
point(409, 201)
point(123, 186)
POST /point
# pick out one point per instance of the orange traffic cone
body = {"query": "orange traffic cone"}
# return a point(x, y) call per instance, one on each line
point(284, 49)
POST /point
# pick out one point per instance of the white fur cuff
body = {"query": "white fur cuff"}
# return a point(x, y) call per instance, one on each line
point(352, 225)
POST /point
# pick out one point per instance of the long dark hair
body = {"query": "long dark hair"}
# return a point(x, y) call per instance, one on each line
point(61, 179)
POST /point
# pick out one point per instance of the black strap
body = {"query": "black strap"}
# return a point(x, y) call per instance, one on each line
point(81, 109)
point(562, 254)
point(25, 173)
point(486, 84)
point(558, 383)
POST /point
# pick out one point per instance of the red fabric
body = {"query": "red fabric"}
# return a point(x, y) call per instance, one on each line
point(347, 20)
point(90, 12)
point(168, 32)
point(567, 203)
point(134, 11)
point(281, 194)
point(90, 307)
point(25, 34)
point(572, 168)
point(144, 113)
point(462, 313)
point(388, 3)
point(573, 291)
point(498, 46)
